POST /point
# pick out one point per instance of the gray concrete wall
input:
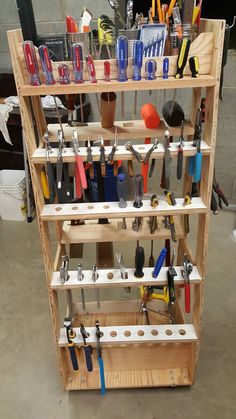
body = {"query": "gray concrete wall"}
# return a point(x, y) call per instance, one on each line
point(53, 21)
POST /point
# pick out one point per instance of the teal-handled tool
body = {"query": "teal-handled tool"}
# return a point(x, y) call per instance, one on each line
point(195, 162)
point(100, 360)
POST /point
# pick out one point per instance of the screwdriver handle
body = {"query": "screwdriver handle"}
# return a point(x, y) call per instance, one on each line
point(81, 171)
point(180, 163)
point(122, 190)
point(191, 165)
point(139, 262)
point(171, 287)
point(88, 358)
point(78, 186)
point(187, 297)
point(73, 356)
point(45, 186)
point(198, 167)
point(102, 376)
point(159, 263)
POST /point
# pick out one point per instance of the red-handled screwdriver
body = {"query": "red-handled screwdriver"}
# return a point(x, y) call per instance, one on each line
point(107, 71)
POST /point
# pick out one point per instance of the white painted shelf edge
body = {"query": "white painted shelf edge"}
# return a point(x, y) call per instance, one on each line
point(116, 280)
point(134, 334)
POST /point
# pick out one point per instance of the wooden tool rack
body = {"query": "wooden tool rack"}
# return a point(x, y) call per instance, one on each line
point(135, 355)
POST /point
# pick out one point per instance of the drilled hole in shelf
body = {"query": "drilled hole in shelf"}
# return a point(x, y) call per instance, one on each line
point(141, 148)
point(110, 275)
point(74, 208)
point(140, 333)
point(106, 206)
point(182, 332)
point(101, 334)
point(58, 209)
point(154, 332)
point(127, 333)
point(168, 332)
point(113, 334)
point(90, 207)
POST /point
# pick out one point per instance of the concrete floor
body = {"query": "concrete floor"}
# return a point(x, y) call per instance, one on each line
point(30, 384)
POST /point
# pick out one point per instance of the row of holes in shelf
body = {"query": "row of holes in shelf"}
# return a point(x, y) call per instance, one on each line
point(140, 333)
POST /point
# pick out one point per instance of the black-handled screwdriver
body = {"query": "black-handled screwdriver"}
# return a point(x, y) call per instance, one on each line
point(139, 261)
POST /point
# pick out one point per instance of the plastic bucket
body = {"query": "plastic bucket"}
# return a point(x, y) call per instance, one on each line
point(12, 195)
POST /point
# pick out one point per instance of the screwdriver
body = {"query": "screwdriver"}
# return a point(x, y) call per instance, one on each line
point(122, 189)
point(122, 65)
point(159, 263)
point(165, 177)
point(137, 67)
point(46, 64)
point(77, 62)
point(180, 153)
point(194, 66)
point(87, 348)
point(139, 261)
point(80, 176)
point(64, 74)
point(165, 68)
point(100, 360)
point(31, 62)
point(150, 70)
point(182, 57)
point(107, 71)
point(195, 162)
point(91, 69)
point(138, 191)
point(151, 261)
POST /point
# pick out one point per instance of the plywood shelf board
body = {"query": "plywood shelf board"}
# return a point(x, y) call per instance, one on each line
point(91, 231)
point(112, 210)
point(132, 129)
point(115, 86)
point(121, 153)
point(115, 379)
point(114, 335)
point(116, 280)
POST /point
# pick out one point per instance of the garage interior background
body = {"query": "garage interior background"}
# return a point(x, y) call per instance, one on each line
point(54, 22)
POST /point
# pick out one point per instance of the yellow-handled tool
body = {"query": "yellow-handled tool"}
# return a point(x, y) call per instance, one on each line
point(182, 57)
point(44, 183)
point(155, 295)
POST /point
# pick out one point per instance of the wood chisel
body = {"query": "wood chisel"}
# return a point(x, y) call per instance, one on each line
point(182, 57)
point(165, 177)
point(80, 277)
point(90, 160)
point(31, 62)
point(180, 153)
point(87, 348)
point(80, 176)
point(110, 158)
point(102, 157)
point(70, 344)
point(94, 279)
point(99, 334)
point(186, 271)
point(139, 261)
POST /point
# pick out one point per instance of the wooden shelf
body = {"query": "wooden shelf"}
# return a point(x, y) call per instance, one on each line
point(92, 232)
point(174, 333)
point(133, 129)
point(115, 86)
point(116, 280)
point(116, 379)
point(39, 156)
point(109, 210)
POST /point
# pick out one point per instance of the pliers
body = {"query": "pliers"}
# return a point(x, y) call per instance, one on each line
point(220, 194)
